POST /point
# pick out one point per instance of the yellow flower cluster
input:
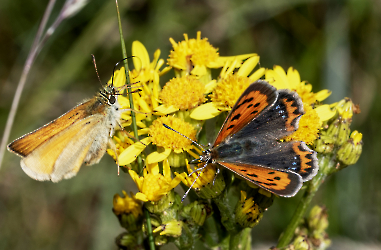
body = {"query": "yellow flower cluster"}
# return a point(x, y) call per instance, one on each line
point(185, 102)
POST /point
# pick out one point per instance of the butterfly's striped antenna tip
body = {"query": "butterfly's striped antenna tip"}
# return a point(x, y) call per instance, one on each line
point(168, 127)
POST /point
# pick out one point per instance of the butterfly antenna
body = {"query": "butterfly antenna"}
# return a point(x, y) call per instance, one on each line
point(189, 189)
point(168, 127)
point(113, 71)
point(96, 69)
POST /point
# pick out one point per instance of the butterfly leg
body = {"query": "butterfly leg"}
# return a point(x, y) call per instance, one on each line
point(216, 174)
point(130, 136)
point(199, 169)
point(198, 175)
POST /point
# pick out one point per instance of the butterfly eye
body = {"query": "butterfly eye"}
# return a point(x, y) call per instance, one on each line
point(112, 99)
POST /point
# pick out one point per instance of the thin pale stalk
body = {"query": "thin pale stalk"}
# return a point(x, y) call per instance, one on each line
point(24, 75)
point(133, 117)
point(134, 126)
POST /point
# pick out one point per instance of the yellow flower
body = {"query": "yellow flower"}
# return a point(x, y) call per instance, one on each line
point(181, 94)
point(127, 205)
point(119, 80)
point(196, 56)
point(163, 137)
point(192, 56)
point(205, 182)
point(166, 140)
point(144, 76)
point(313, 119)
point(206, 176)
point(229, 88)
point(153, 185)
point(280, 80)
point(122, 141)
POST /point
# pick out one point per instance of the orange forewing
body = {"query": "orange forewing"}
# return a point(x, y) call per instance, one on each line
point(284, 183)
point(24, 145)
point(249, 105)
point(49, 152)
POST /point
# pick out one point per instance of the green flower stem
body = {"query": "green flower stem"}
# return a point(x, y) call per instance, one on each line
point(240, 240)
point(134, 126)
point(151, 240)
point(326, 164)
point(227, 213)
point(124, 52)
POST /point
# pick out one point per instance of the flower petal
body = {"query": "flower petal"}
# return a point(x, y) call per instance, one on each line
point(141, 57)
point(323, 94)
point(199, 70)
point(257, 74)
point(141, 196)
point(165, 110)
point(155, 157)
point(248, 66)
point(210, 86)
point(324, 112)
point(205, 111)
point(130, 153)
point(220, 62)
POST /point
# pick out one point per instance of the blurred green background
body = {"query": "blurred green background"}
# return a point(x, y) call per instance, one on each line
point(333, 44)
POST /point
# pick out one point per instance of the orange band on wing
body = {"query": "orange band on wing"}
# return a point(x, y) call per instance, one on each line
point(292, 115)
point(306, 158)
point(278, 182)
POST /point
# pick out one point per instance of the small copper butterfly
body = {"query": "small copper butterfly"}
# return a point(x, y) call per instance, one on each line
point(248, 142)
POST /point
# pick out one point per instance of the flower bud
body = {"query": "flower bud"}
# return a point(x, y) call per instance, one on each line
point(126, 241)
point(318, 219)
point(350, 151)
point(171, 228)
point(301, 243)
point(161, 205)
point(128, 210)
point(197, 212)
point(247, 212)
point(324, 144)
point(161, 240)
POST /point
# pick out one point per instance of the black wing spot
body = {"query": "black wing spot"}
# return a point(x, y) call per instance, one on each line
point(250, 105)
point(236, 117)
point(252, 175)
point(245, 101)
point(230, 127)
point(277, 178)
point(271, 173)
point(257, 104)
point(254, 112)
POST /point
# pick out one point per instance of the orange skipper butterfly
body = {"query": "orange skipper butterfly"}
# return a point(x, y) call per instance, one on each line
point(249, 141)
point(57, 150)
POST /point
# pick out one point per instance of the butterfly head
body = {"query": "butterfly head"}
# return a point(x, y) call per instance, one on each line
point(109, 94)
point(206, 157)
